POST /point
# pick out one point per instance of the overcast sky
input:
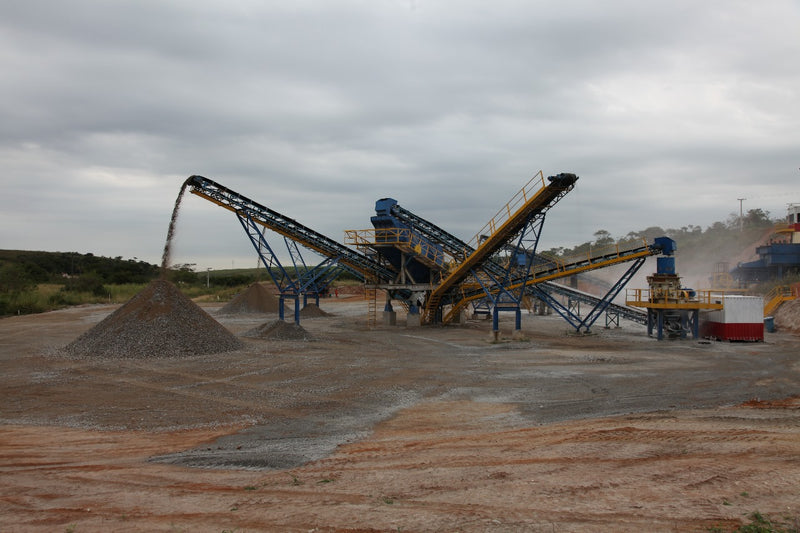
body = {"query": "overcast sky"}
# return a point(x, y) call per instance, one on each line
point(668, 111)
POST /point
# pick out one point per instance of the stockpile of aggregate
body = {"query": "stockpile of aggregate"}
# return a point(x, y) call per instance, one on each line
point(255, 299)
point(158, 322)
point(279, 330)
point(312, 311)
point(787, 317)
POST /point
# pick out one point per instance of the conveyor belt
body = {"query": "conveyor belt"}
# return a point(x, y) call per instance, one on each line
point(628, 313)
point(498, 235)
point(450, 243)
point(551, 273)
point(233, 201)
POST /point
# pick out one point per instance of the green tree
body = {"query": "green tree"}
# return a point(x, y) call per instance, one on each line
point(603, 238)
point(91, 283)
point(14, 279)
point(184, 273)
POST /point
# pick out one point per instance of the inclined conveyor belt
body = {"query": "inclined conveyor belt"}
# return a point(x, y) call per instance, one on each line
point(628, 313)
point(453, 245)
point(241, 205)
point(561, 271)
point(499, 233)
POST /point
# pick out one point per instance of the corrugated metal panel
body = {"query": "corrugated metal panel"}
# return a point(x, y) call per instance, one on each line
point(739, 310)
point(753, 332)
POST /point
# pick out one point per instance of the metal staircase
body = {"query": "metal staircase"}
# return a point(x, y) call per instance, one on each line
point(776, 297)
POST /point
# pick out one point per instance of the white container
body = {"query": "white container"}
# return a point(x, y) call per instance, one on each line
point(738, 310)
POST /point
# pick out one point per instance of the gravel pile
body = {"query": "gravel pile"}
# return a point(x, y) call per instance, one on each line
point(312, 311)
point(256, 299)
point(787, 317)
point(279, 330)
point(158, 322)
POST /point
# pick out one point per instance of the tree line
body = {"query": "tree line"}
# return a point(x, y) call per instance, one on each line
point(689, 237)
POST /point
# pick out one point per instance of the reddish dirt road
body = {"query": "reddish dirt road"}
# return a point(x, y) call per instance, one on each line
point(436, 467)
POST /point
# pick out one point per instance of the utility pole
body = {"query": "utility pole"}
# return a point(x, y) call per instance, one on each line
point(741, 215)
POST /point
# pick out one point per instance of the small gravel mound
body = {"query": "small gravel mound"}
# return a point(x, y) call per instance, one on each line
point(312, 311)
point(158, 322)
point(255, 299)
point(279, 330)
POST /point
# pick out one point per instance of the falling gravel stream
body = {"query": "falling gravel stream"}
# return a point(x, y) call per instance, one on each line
point(171, 230)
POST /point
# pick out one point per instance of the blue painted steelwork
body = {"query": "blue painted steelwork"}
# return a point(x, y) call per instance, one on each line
point(774, 262)
point(548, 273)
point(531, 207)
point(524, 257)
point(406, 249)
point(675, 322)
point(288, 287)
point(308, 281)
point(613, 311)
point(600, 304)
point(352, 260)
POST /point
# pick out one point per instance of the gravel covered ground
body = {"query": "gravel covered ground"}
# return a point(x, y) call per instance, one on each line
point(431, 429)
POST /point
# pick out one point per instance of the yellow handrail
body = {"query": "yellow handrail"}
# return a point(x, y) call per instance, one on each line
point(509, 209)
point(399, 237)
point(775, 297)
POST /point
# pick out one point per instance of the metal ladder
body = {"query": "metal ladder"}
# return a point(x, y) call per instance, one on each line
point(371, 295)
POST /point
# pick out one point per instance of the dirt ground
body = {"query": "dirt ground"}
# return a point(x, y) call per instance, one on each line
point(398, 429)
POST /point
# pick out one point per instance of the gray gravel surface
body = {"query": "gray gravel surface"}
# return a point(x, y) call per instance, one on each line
point(297, 400)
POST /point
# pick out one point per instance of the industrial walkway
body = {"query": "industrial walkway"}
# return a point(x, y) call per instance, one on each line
point(533, 199)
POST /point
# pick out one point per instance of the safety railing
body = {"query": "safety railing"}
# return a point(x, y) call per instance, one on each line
point(642, 297)
point(529, 190)
point(402, 238)
point(774, 298)
point(594, 254)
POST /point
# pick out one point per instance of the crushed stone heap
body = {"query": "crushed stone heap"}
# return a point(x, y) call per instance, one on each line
point(255, 299)
point(312, 310)
point(787, 317)
point(158, 322)
point(279, 330)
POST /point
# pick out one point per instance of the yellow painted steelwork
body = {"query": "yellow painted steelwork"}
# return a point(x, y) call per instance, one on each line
point(702, 300)
point(777, 296)
point(528, 192)
point(607, 257)
point(399, 238)
point(532, 196)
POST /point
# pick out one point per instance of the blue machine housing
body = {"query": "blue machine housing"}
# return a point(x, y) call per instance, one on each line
point(774, 262)
point(665, 265)
point(433, 253)
point(666, 245)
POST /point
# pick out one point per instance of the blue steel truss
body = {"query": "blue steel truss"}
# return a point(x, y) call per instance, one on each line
point(491, 273)
point(352, 260)
point(575, 297)
point(287, 286)
point(600, 306)
point(255, 217)
point(500, 275)
point(306, 282)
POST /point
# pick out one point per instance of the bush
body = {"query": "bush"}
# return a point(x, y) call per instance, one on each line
point(90, 283)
